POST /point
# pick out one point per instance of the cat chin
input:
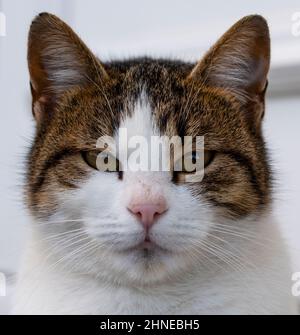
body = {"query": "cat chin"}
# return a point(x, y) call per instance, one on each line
point(140, 269)
point(163, 262)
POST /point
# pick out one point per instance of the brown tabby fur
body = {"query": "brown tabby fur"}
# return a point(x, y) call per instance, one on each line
point(186, 99)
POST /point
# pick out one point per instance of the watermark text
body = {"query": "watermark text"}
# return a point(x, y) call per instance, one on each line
point(296, 24)
point(2, 24)
point(296, 285)
point(2, 285)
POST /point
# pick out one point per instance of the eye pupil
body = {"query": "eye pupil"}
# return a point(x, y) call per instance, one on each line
point(194, 157)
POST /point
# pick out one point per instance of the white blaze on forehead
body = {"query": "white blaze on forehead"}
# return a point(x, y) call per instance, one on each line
point(139, 140)
point(134, 136)
point(140, 122)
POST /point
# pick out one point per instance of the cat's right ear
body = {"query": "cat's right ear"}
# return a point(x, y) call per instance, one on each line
point(58, 60)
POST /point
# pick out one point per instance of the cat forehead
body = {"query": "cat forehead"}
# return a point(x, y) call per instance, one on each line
point(140, 120)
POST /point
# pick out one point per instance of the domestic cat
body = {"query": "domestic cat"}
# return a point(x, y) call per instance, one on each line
point(150, 242)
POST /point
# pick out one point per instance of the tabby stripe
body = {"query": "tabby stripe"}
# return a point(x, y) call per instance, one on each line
point(248, 165)
point(51, 162)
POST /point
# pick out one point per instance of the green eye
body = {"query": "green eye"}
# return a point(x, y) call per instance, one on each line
point(101, 160)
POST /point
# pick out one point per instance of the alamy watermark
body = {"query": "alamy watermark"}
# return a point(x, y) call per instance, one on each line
point(2, 285)
point(158, 153)
point(2, 24)
point(296, 285)
point(296, 24)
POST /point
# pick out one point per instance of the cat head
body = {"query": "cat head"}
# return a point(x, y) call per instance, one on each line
point(144, 226)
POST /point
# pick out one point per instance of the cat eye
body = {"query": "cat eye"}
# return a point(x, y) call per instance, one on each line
point(101, 160)
point(206, 155)
point(188, 161)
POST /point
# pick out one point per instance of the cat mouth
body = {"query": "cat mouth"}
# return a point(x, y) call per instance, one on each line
point(147, 245)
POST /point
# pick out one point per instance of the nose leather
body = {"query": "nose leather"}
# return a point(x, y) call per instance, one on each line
point(147, 213)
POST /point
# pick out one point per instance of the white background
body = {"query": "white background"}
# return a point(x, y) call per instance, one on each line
point(179, 29)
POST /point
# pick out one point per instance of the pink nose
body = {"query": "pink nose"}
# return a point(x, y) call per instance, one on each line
point(147, 213)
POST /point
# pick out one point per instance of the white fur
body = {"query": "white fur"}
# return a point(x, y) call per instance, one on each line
point(62, 275)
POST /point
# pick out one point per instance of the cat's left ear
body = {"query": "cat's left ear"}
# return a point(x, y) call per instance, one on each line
point(58, 60)
point(240, 59)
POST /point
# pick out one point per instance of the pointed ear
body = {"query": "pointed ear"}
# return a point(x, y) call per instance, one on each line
point(240, 59)
point(58, 60)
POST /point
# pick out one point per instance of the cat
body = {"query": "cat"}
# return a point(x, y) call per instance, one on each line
point(149, 242)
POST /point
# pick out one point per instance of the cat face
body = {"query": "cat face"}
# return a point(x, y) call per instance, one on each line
point(143, 226)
